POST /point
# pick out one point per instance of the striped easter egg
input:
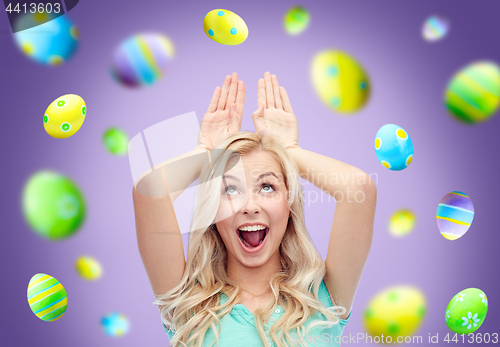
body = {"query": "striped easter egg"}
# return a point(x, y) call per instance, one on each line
point(473, 94)
point(47, 297)
point(142, 59)
point(454, 215)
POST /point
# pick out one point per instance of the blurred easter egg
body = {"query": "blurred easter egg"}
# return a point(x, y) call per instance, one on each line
point(396, 311)
point(402, 222)
point(50, 43)
point(53, 205)
point(88, 268)
point(115, 324)
point(142, 59)
point(340, 81)
point(64, 116)
point(435, 28)
point(115, 141)
point(473, 94)
point(225, 27)
point(296, 20)
point(393, 147)
point(454, 215)
point(47, 297)
point(466, 311)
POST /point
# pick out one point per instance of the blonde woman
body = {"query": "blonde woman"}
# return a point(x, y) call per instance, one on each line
point(253, 276)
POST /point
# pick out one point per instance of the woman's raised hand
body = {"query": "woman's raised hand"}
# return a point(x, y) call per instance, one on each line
point(275, 117)
point(223, 117)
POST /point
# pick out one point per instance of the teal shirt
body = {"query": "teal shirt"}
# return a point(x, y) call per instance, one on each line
point(238, 327)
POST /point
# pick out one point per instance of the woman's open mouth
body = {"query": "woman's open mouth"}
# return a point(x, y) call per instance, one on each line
point(252, 241)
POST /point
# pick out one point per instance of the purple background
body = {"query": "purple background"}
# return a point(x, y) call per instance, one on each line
point(408, 76)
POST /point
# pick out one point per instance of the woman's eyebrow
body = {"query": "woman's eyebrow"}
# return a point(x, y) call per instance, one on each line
point(259, 178)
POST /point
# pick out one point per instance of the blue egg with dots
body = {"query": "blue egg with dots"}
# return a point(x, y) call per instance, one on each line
point(225, 27)
point(393, 147)
point(52, 43)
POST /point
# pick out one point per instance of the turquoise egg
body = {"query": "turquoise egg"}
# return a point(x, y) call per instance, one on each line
point(53, 205)
point(393, 147)
point(142, 59)
point(115, 324)
point(51, 43)
point(454, 215)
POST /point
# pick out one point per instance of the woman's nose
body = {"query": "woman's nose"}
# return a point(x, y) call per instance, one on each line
point(252, 204)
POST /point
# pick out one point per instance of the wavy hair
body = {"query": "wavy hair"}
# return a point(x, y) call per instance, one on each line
point(193, 306)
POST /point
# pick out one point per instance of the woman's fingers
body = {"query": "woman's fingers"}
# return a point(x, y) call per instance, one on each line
point(213, 103)
point(286, 101)
point(261, 93)
point(223, 96)
point(276, 92)
point(234, 119)
point(231, 98)
point(269, 90)
point(258, 119)
point(240, 98)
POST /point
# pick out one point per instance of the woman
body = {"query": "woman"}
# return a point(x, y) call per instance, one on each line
point(253, 277)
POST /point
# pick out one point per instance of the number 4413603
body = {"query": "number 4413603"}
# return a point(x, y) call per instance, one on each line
point(34, 8)
point(472, 338)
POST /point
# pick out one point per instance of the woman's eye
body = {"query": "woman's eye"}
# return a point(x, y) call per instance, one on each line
point(233, 188)
point(267, 185)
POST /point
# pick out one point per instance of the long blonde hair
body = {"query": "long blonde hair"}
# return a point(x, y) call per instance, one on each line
point(195, 298)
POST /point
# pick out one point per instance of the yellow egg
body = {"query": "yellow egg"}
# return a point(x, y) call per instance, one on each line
point(395, 312)
point(340, 81)
point(225, 27)
point(88, 268)
point(402, 222)
point(64, 116)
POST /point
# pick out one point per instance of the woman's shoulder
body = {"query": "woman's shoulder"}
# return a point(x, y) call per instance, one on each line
point(325, 298)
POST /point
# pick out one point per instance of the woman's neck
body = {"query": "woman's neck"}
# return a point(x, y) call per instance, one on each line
point(253, 280)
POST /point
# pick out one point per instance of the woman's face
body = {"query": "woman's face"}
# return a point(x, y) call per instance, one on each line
point(253, 191)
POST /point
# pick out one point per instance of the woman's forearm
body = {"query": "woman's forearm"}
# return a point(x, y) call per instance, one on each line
point(338, 179)
point(176, 173)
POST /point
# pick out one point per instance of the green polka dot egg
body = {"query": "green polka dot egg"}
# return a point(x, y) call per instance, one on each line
point(88, 268)
point(47, 297)
point(115, 141)
point(340, 81)
point(53, 205)
point(473, 94)
point(396, 311)
point(466, 311)
point(64, 116)
point(296, 20)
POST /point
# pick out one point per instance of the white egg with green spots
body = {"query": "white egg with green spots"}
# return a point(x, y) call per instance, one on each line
point(64, 116)
point(466, 311)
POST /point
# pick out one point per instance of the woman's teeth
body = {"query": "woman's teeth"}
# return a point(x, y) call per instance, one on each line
point(252, 228)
